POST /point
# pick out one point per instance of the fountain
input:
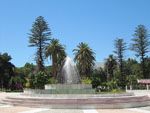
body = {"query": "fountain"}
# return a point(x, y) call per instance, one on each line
point(70, 93)
point(69, 73)
point(69, 81)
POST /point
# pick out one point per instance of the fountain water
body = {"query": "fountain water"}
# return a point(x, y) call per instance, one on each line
point(69, 73)
point(69, 81)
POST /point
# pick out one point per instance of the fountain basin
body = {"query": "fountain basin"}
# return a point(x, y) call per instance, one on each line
point(78, 102)
point(63, 89)
point(68, 86)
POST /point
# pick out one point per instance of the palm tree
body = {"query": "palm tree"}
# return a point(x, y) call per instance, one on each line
point(84, 57)
point(110, 65)
point(56, 52)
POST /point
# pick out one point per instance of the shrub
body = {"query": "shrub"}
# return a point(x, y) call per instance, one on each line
point(86, 81)
point(112, 84)
point(30, 82)
point(52, 80)
point(37, 81)
point(16, 83)
point(98, 77)
point(40, 79)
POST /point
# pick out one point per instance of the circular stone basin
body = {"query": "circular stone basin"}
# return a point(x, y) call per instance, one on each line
point(78, 102)
point(76, 96)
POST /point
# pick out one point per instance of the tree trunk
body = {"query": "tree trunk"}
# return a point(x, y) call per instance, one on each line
point(54, 66)
point(40, 66)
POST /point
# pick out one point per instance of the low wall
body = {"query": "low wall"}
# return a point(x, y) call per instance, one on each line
point(139, 92)
point(82, 102)
point(63, 93)
point(59, 91)
point(68, 86)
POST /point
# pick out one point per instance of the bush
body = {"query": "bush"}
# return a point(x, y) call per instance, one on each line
point(86, 81)
point(52, 80)
point(30, 81)
point(16, 83)
point(27, 84)
point(117, 91)
point(98, 77)
point(131, 80)
point(112, 84)
point(38, 80)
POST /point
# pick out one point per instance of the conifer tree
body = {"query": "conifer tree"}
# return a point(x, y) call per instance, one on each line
point(40, 34)
point(141, 45)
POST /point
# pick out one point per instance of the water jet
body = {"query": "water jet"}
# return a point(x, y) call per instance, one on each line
point(69, 81)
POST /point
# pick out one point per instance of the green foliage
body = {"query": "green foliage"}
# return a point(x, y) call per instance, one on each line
point(48, 70)
point(56, 52)
point(117, 78)
point(98, 78)
point(24, 72)
point(147, 67)
point(28, 68)
point(16, 83)
point(140, 45)
point(40, 34)
point(52, 80)
point(132, 67)
point(30, 81)
point(132, 71)
point(120, 47)
point(132, 80)
point(117, 91)
point(110, 66)
point(6, 70)
point(140, 41)
point(113, 84)
point(84, 57)
point(86, 81)
point(38, 80)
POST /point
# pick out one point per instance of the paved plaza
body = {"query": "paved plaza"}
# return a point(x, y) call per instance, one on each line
point(19, 109)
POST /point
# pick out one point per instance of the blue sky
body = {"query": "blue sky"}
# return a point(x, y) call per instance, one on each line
point(96, 22)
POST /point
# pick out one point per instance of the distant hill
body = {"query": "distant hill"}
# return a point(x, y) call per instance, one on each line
point(98, 65)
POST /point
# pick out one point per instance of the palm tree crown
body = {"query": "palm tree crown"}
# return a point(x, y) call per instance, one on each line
point(56, 52)
point(110, 65)
point(84, 57)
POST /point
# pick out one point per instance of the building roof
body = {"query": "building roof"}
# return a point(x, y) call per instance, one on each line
point(144, 81)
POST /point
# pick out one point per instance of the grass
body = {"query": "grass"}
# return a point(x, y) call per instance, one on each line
point(9, 90)
point(114, 91)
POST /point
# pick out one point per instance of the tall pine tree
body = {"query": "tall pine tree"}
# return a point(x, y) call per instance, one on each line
point(141, 45)
point(40, 34)
point(120, 47)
